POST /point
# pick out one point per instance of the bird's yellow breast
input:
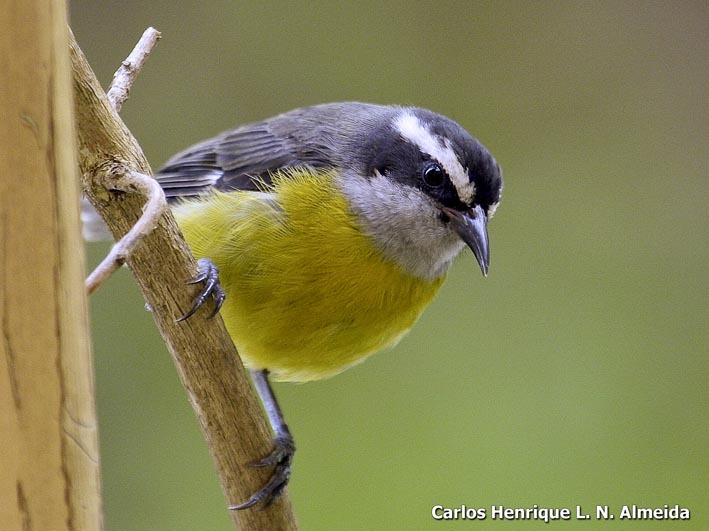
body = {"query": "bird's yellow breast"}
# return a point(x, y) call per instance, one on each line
point(308, 294)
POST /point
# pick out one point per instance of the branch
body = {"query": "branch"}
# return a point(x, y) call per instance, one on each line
point(117, 94)
point(130, 68)
point(154, 209)
point(206, 360)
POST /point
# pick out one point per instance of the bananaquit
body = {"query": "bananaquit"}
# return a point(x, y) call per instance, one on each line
point(330, 229)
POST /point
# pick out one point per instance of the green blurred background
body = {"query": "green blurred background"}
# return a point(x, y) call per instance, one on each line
point(577, 373)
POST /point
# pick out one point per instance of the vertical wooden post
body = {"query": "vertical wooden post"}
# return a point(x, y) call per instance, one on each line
point(49, 472)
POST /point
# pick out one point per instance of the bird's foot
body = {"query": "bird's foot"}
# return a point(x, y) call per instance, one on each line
point(280, 458)
point(209, 274)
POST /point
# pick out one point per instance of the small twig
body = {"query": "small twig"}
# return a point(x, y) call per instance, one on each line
point(154, 208)
point(117, 94)
point(126, 74)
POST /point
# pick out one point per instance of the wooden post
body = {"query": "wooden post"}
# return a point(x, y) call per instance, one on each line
point(49, 471)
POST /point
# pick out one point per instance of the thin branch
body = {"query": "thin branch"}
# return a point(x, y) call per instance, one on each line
point(207, 362)
point(130, 68)
point(117, 94)
point(153, 210)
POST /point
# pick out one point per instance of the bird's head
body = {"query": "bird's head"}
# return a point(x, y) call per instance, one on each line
point(430, 189)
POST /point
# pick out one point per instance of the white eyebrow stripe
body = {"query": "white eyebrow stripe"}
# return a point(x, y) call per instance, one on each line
point(411, 129)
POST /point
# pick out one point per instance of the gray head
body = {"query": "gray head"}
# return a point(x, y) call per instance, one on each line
point(421, 185)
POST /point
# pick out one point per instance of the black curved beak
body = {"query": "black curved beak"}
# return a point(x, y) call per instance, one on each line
point(471, 226)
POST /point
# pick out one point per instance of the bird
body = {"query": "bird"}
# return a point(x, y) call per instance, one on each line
point(323, 233)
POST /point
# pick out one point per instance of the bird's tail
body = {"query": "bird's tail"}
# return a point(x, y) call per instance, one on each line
point(94, 229)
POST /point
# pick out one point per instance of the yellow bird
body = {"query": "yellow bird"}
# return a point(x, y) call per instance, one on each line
point(329, 229)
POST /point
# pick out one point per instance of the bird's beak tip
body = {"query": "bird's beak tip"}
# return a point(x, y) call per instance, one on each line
point(471, 226)
point(483, 261)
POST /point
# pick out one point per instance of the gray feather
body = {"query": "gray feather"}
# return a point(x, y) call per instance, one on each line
point(322, 136)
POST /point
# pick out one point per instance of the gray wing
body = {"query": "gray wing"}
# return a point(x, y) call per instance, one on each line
point(239, 159)
point(322, 136)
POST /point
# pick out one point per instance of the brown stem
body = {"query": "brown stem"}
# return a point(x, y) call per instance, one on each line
point(206, 360)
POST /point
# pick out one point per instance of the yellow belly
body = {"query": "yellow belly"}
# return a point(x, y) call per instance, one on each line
point(308, 294)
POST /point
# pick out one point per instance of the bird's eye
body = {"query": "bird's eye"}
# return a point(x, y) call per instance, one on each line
point(433, 175)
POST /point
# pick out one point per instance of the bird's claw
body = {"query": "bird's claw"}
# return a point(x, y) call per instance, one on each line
point(209, 274)
point(280, 458)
